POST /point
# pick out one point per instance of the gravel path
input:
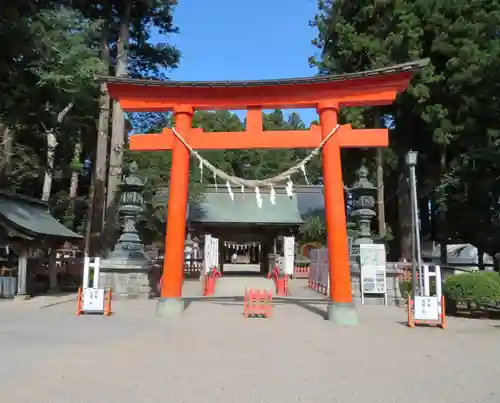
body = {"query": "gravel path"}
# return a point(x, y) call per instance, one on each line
point(212, 354)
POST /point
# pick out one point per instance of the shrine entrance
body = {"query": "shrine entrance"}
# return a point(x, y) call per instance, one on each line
point(249, 235)
point(327, 94)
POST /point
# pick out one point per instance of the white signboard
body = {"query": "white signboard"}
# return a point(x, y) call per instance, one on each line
point(289, 255)
point(209, 253)
point(373, 270)
point(93, 300)
point(426, 308)
point(215, 248)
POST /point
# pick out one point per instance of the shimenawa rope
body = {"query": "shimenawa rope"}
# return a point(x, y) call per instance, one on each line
point(240, 182)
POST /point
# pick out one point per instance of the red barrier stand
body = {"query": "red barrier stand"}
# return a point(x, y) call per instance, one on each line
point(258, 303)
point(280, 282)
point(210, 281)
point(301, 271)
point(313, 285)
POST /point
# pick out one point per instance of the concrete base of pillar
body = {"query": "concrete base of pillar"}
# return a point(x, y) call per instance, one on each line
point(342, 314)
point(170, 308)
point(22, 297)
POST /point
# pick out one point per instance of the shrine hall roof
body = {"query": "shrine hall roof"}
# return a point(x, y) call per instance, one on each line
point(219, 208)
point(398, 68)
point(30, 218)
point(215, 206)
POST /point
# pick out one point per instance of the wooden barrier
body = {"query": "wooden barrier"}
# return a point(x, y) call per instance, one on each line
point(441, 322)
point(281, 282)
point(301, 270)
point(210, 280)
point(258, 303)
point(100, 304)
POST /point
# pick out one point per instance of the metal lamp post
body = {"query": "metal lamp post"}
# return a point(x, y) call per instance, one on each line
point(411, 162)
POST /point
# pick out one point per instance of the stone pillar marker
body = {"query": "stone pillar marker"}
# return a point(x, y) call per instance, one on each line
point(126, 269)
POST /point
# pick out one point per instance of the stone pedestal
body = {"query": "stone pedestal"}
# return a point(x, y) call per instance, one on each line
point(126, 270)
point(126, 283)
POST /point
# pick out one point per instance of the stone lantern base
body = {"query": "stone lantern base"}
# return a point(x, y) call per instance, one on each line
point(128, 279)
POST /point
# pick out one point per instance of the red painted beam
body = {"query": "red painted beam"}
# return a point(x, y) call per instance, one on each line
point(346, 137)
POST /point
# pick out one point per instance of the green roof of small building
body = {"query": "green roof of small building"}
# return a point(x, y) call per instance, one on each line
point(31, 216)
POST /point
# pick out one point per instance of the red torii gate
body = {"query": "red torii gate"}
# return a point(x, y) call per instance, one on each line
point(325, 93)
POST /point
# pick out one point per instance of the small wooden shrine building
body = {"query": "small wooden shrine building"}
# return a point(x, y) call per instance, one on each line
point(25, 226)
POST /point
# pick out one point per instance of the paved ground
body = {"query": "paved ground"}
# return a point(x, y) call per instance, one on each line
point(235, 286)
point(241, 267)
point(214, 355)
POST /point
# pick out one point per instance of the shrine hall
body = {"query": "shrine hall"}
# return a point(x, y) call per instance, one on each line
point(251, 232)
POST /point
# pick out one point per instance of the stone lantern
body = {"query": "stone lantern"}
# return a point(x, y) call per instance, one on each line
point(363, 193)
point(126, 268)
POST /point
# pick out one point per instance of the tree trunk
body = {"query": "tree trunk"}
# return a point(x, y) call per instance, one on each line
point(404, 215)
point(382, 229)
point(118, 125)
point(6, 157)
point(379, 163)
point(51, 149)
point(47, 181)
point(442, 231)
point(97, 192)
point(73, 187)
point(6, 136)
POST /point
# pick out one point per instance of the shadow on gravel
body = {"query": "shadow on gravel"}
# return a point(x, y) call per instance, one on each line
point(309, 304)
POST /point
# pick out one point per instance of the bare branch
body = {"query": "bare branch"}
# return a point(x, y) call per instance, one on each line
point(64, 112)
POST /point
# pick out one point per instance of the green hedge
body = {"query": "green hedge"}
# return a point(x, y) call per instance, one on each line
point(473, 288)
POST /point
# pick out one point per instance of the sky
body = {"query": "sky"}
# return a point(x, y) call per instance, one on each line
point(244, 40)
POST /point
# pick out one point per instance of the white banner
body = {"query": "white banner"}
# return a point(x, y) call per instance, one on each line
point(289, 255)
point(208, 253)
point(215, 248)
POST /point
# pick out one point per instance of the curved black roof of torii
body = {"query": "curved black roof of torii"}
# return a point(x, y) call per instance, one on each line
point(398, 68)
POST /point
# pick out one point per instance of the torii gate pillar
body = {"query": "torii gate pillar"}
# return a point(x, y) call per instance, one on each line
point(171, 302)
point(341, 309)
point(370, 88)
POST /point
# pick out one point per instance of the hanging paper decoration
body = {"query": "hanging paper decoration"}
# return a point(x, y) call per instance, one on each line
point(289, 188)
point(229, 190)
point(303, 169)
point(258, 197)
point(272, 195)
point(201, 170)
point(215, 182)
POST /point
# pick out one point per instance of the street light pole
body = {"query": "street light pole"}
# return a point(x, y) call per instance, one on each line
point(413, 248)
point(411, 161)
point(413, 184)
